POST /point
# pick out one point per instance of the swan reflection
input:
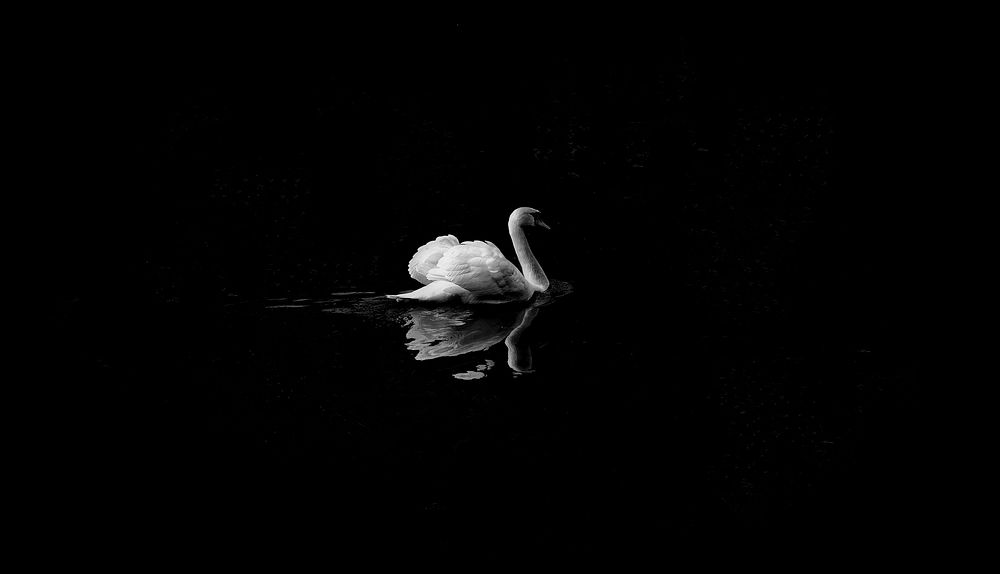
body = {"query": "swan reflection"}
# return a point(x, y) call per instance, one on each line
point(446, 331)
point(451, 331)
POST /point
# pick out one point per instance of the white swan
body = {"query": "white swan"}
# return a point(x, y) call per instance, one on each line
point(476, 271)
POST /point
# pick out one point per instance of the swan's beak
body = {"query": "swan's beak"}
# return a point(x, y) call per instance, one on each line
point(542, 224)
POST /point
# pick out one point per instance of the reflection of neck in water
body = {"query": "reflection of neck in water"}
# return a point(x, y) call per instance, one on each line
point(518, 355)
point(443, 332)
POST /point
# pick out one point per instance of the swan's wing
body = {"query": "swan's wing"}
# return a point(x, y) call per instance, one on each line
point(428, 255)
point(479, 267)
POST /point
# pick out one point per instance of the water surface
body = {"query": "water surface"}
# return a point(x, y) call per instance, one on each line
point(572, 410)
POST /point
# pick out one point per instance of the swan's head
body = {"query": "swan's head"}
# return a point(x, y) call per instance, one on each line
point(526, 217)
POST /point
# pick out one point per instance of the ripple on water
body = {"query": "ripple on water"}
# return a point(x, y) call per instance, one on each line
point(479, 373)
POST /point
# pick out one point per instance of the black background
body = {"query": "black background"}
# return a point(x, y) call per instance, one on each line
point(729, 208)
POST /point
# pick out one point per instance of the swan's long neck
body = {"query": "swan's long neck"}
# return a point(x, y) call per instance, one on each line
point(529, 265)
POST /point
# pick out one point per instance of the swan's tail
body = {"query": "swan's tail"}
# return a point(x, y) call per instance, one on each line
point(436, 291)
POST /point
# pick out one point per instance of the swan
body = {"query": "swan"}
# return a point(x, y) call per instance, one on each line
point(476, 271)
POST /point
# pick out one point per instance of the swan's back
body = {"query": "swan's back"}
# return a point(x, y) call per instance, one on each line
point(481, 268)
point(427, 257)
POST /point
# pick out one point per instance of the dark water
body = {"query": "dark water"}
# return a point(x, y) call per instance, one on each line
point(723, 354)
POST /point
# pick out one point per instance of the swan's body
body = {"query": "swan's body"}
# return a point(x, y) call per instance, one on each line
point(476, 271)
